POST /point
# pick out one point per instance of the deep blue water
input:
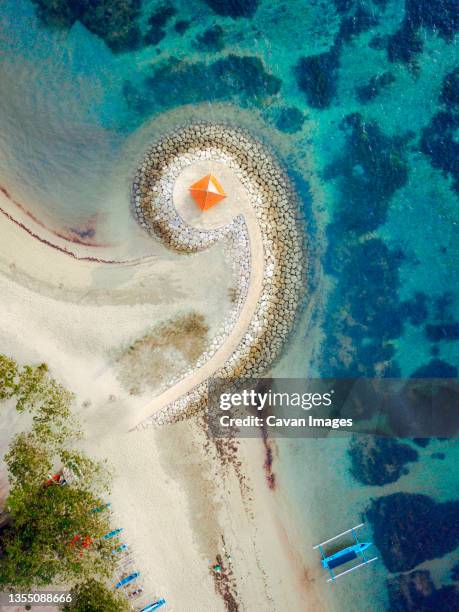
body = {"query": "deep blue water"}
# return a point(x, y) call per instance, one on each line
point(360, 99)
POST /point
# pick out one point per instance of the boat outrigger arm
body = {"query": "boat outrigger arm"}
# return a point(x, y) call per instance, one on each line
point(345, 555)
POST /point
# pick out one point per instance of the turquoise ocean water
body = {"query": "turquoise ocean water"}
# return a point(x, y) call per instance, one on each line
point(360, 101)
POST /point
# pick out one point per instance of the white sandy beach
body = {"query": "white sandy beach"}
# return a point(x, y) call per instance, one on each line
point(179, 503)
point(173, 497)
point(176, 501)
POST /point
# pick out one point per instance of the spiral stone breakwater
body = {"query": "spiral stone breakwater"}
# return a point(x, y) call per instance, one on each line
point(263, 242)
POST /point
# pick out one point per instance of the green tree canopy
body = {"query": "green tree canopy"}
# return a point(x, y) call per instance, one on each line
point(40, 546)
point(94, 595)
point(36, 392)
point(8, 377)
point(42, 543)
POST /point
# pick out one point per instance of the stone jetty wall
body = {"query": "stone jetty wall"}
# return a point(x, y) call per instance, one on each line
point(274, 201)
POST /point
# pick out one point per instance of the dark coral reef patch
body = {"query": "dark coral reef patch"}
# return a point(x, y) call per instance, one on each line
point(415, 310)
point(436, 368)
point(416, 592)
point(365, 315)
point(357, 21)
point(445, 331)
point(412, 528)
point(366, 93)
point(181, 26)
point(422, 442)
point(404, 45)
point(379, 461)
point(242, 79)
point(180, 82)
point(211, 39)
point(370, 169)
point(439, 139)
point(439, 16)
point(317, 77)
point(157, 22)
point(290, 119)
point(233, 8)
point(115, 21)
point(450, 89)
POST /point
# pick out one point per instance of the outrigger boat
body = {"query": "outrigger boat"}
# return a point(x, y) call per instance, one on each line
point(126, 580)
point(153, 606)
point(343, 556)
point(120, 549)
point(112, 534)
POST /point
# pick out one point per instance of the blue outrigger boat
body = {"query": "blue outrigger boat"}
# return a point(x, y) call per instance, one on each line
point(112, 534)
point(120, 548)
point(126, 580)
point(346, 554)
point(153, 606)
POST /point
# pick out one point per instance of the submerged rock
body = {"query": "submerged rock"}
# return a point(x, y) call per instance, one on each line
point(412, 528)
point(438, 142)
point(404, 45)
point(440, 16)
point(366, 312)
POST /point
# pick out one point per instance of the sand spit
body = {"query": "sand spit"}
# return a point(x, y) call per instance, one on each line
point(263, 242)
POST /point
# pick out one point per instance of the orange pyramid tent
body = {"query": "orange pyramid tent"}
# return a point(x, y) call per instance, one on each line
point(207, 192)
